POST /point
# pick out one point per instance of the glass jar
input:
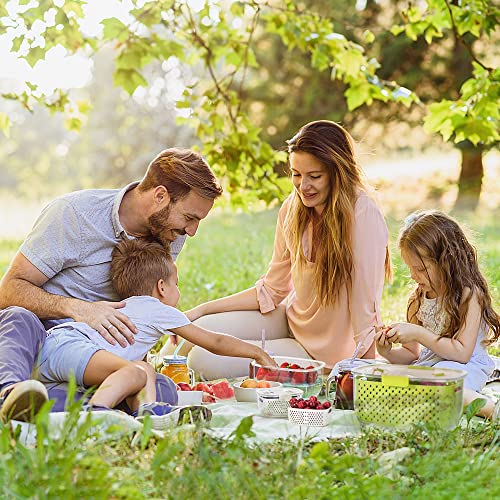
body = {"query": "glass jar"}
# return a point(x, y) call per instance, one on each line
point(344, 382)
point(175, 367)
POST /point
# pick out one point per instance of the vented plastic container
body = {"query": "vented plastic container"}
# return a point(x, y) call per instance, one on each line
point(275, 402)
point(308, 378)
point(398, 396)
point(311, 418)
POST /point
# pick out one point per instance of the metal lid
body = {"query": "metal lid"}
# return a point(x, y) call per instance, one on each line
point(411, 372)
point(174, 360)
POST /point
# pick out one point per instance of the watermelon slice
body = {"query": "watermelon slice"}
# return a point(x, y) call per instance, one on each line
point(200, 386)
point(182, 386)
point(222, 390)
point(208, 398)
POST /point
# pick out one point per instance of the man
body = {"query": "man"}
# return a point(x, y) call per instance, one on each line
point(62, 269)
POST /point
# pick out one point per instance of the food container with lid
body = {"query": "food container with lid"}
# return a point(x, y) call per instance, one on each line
point(276, 401)
point(398, 396)
point(308, 377)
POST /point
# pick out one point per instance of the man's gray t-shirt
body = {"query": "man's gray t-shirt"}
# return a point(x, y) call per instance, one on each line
point(72, 240)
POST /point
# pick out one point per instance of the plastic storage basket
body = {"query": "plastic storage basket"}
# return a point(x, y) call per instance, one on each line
point(309, 380)
point(275, 402)
point(398, 396)
point(313, 418)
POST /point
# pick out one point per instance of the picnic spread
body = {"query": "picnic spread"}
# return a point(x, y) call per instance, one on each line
point(281, 410)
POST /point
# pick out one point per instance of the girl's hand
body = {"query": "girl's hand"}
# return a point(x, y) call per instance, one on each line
point(381, 342)
point(402, 333)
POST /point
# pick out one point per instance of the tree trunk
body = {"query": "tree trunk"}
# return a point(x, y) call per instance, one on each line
point(470, 180)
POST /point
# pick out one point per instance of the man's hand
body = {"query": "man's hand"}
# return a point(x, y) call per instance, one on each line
point(114, 326)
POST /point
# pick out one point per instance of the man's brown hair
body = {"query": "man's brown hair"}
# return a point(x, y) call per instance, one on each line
point(180, 171)
point(137, 265)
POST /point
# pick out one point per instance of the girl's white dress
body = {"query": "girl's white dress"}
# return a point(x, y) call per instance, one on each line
point(478, 368)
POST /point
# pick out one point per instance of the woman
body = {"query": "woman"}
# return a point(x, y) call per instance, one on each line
point(320, 296)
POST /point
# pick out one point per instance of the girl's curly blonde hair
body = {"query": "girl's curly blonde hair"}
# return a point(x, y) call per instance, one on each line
point(437, 237)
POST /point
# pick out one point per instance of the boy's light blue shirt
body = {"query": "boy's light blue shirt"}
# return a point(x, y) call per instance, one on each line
point(152, 318)
point(72, 240)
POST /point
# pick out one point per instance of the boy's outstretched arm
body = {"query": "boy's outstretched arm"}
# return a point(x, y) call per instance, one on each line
point(224, 345)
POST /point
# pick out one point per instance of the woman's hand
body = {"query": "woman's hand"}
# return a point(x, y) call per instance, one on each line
point(403, 333)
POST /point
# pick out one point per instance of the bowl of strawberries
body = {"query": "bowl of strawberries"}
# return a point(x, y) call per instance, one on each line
point(304, 374)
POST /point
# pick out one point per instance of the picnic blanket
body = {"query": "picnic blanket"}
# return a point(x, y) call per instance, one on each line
point(227, 416)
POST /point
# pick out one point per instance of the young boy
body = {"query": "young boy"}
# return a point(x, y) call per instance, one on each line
point(144, 272)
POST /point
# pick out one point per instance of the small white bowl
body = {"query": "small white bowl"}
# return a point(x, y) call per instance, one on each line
point(189, 398)
point(249, 394)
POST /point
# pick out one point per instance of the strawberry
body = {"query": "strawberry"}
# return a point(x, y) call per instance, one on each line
point(284, 365)
point(312, 375)
point(261, 374)
point(295, 367)
point(283, 376)
point(299, 377)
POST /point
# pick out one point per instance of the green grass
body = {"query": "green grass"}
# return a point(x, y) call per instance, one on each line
point(230, 252)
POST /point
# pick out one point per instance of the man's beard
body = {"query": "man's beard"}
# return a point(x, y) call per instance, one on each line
point(160, 228)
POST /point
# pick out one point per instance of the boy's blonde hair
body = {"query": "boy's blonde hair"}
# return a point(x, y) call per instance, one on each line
point(437, 237)
point(137, 266)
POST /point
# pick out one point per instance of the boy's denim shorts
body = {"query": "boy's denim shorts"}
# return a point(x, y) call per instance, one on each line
point(65, 351)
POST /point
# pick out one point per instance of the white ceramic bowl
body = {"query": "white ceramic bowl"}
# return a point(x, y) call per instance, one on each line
point(249, 394)
point(189, 398)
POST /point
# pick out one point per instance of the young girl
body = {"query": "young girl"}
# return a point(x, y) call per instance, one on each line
point(449, 313)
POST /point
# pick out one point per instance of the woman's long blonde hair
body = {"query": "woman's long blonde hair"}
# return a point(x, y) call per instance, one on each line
point(334, 148)
point(437, 237)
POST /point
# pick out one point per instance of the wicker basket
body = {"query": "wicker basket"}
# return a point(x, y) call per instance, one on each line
point(275, 402)
point(397, 396)
point(312, 418)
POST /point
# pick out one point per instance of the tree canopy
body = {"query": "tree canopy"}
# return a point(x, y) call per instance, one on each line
point(225, 41)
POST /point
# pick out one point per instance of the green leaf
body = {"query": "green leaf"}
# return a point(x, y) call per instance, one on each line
point(397, 30)
point(129, 79)
point(244, 429)
point(320, 450)
point(237, 9)
point(16, 43)
point(73, 124)
point(472, 408)
point(368, 36)
point(5, 124)
point(34, 55)
point(114, 29)
point(83, 106)
point(357, 95)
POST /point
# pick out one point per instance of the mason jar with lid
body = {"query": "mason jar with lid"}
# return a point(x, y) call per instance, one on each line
point(175, 367)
